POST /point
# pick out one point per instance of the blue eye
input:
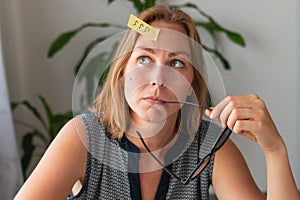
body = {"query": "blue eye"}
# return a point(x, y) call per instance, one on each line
point(144, 60)
point(176, 63)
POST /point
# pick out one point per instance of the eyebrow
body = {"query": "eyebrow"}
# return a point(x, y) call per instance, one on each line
point(172, 54)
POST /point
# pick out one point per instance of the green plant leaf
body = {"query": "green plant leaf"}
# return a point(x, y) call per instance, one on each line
point(48, 111)
point(110, 1)
point(138, 5)
point(39, 134)
point(104, 76)
point(208, 99)
point(46, 106)
point(58, 121)
point(224, 61)
point(212, 26)
point(236, 38)
point(87, 50)
point(60, 42)
point(209, 26)
point(13, 105)
point(28, 149)
point(65, 37)
point(55, 122)
point(149, 3)
point(105, 72)
point(34, 111)
point(93, 69)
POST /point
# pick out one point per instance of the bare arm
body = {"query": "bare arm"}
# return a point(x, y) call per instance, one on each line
point(248, 116)
point(280, 181)
point(231, 176)
point(61, 166)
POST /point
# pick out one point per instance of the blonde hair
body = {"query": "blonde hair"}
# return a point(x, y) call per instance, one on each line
point(111, 106)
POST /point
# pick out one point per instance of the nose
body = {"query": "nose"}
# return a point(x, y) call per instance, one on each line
point(158, 76)
point(158, 84)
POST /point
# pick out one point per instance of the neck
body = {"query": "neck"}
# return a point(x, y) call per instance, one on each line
point(159, 138)
point(155, 134)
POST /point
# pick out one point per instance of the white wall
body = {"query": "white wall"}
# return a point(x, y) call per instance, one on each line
point(268, 66)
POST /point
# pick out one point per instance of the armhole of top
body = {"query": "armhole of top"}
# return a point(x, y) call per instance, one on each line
point(78, 183)
point(85, 180)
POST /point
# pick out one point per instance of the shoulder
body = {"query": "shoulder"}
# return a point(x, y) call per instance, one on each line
point(72, 138)
point(61, 166)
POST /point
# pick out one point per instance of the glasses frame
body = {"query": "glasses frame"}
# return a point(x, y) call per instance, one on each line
point(217, 145)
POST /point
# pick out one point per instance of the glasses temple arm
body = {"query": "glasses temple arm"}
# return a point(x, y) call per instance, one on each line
point(166, 169)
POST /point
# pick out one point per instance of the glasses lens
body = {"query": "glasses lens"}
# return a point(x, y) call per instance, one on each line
point(225, 135)
point(200, 168)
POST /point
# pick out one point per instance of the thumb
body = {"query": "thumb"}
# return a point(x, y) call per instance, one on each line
point(208, 112)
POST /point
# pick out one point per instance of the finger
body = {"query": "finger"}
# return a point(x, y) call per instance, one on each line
point(238, 114)
point(227, 112)
point(208, 112)
point(235, 109)
point(236, 101)
point(215, 114)
point(246, 128)
point(242, 126)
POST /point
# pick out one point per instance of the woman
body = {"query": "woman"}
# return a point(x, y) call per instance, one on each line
point(135, 100)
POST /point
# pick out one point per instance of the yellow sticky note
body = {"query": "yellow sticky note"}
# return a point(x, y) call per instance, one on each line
point(142, 27)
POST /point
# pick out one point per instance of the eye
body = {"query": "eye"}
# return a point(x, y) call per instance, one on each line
point(176, 63)
point(144, 60)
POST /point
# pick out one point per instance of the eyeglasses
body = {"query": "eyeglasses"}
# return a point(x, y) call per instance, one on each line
point(220, 141)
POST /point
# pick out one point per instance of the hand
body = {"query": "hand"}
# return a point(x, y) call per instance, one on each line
point(247, 115)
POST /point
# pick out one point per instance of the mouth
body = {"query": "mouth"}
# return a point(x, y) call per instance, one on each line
point(154, 100)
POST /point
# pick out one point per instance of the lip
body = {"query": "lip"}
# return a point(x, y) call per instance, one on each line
point(154, 100)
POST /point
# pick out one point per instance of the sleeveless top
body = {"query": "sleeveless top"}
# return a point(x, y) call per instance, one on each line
point(107, 173)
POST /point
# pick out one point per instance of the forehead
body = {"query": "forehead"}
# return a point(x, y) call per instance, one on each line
point(168, 39)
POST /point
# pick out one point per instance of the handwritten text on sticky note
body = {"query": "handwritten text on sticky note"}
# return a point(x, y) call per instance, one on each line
point(142, 27)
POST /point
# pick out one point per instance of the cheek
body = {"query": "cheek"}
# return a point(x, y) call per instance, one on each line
point(129, 81)
point(181, 86)
point(134, 80)
point(189, 75)
point(128, 66)
point(129, 89)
